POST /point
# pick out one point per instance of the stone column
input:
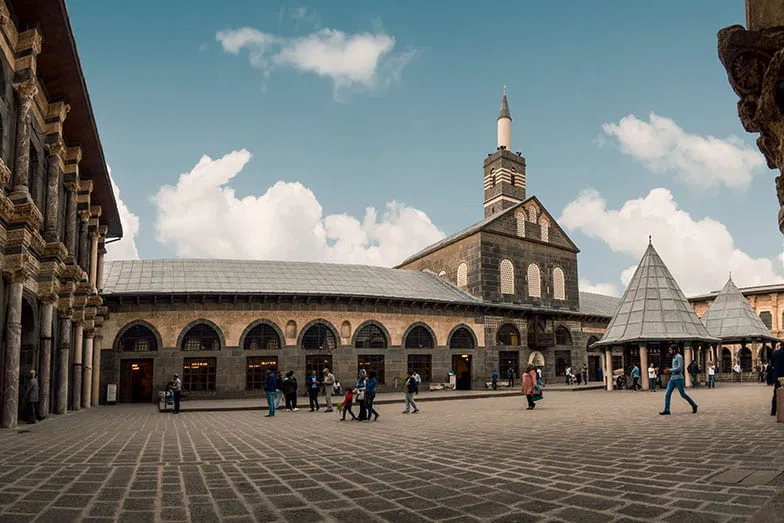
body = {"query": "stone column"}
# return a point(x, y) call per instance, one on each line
point(99, 271)
point(70, 218)
point(94, 258)
point(97, 346)
point(644, 366)
point(26, 92)
point(84, 244)
point(708, 359)
point(608, 377)
point(77, 366)
point(63, 366)
point(45, 356)
point(13, 347)
point(53, 192)
point(686, 361)
point(87, 381)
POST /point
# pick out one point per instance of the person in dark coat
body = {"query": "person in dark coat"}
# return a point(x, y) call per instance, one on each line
point(290, 391)
point(270, 387)
point(31, 398)
point(777, 362)
point(313, 390)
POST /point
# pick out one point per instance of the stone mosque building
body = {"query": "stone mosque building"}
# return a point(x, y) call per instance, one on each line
point(497, 295)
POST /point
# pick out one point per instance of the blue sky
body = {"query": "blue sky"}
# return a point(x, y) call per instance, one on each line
point(413, 124)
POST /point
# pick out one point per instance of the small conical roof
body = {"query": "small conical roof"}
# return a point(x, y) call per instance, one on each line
point(654, 308)
point(504, 112)
point(731, 317)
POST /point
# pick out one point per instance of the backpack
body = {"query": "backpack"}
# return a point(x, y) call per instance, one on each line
point(770, 375)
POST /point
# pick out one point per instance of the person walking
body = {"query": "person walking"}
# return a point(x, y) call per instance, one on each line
point(737, 370)
point(30, 398)
point(370, 395)
point(418, 380)
point(328, 382)
point(776, 373)
point(494, 380)
point(270, 387)
point(585, 374)
point(348, 400)
point(313, 389)
point(693, 370)
point(711, 376)
point(651, 378)
point(529, 385)
point(676, 381)
point(410, 391)
point(359, 395)
point(636, 378)
point(510, 376)
point(177, 392)
point(290, 391)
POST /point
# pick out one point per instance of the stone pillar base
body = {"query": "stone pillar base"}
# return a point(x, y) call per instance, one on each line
point(780, 405)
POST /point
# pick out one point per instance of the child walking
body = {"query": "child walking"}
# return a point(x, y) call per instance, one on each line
point(348, 399)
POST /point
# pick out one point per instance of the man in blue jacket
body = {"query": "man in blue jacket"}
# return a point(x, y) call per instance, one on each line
point(777, 362)
point(270, 387)
point(676, 380)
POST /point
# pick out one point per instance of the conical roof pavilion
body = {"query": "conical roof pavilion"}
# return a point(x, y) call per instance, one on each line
point(731, 318)
point(654, 308)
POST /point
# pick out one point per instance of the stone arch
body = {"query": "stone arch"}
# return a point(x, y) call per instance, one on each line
point(462, 274)
point(534, 281)
point(533, 213)
point(460, 334)
point(380, 327)
point(559, 284)
point(256, 323)
point(291, 329)
point(330, 328)
point(506, 270)
point(345, 329)
point(765, 353)
point(544, 227)
point(442, 274)
point(208, 323)
point(562, 335)
point(536, 359)
point(128, 326)
point(520, 219)
point(412, 328)
point(726, 360)
point(507, 335)
point(744, 358)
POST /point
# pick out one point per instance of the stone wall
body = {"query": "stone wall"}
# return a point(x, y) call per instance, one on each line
point(447, 259)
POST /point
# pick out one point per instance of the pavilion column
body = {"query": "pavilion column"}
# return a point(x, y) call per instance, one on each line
point(63, 366)
point(45, 356)
point(97, 346)
point(26, 92)
point(687, 357)
point(87, 381)
point(708, 359)
point(608, 377)
point(77, 365)
point(53, 203)
point(644, 366)
point(13, 346)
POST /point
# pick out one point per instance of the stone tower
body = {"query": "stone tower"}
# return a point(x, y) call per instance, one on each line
point(504, 171)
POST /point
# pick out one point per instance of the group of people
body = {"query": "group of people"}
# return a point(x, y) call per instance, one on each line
point(577, 375)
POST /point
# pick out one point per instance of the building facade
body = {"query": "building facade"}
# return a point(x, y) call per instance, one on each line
point(57, 211)
point(495, 296)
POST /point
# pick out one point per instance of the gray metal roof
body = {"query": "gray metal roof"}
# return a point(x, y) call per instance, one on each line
point(654, 308)
point(598, 304)
point(731, 317)
point(746, 291)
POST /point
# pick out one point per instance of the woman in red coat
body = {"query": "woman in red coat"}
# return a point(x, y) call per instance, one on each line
point(529, 383)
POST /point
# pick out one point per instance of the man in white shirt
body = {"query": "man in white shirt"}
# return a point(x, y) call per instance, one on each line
point(651, 378)
point(328, 382)
point(736, 370)
point(711, 376)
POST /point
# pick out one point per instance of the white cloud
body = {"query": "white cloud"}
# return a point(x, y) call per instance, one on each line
point(702, 161)
point(363, 60)
point(202, 217)
point(699, 253)
point(608, 289)
point(125, 249)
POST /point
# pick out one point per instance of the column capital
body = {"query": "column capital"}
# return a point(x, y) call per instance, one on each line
point(48, 299)
point(84, 216)
point(30, 39)
point(89, 333)
point(19, 275)
point(56, 148)
point(73, 154)
point(26, 91)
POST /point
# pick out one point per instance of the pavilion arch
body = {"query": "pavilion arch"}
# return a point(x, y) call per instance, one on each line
point(744, 358)
point(373, 329)
point(330, 329)
point(461, 333)
point(257, 323)
point(591, 341)
point(414, 329)
point(138, 323)
point(765, 353)
point(508, 335)
point(562, 336)
point(202, 321)
point(536, 358)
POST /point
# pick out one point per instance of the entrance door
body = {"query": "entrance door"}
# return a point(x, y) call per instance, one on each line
point(594, 364)
point(136, 381)
point(318, 362)
point(461, 364)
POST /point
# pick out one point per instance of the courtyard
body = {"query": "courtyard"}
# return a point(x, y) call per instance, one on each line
point(580, 456)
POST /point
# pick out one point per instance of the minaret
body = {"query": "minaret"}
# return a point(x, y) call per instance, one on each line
point(504, 171)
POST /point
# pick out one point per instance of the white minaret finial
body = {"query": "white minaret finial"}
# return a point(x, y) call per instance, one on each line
point(504, 125)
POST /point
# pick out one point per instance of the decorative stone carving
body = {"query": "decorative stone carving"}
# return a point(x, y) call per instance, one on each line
point(26, 92)
point(754, 62)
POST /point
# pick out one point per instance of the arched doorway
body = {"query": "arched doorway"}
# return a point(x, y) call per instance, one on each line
point(594, 360)
point(744, 358)
point(137, 372)
point(726, 360)
point(765, 354)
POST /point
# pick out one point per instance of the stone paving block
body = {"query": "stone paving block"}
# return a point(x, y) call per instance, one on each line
point(760, 477)
point(581, 515)
point(60, 515)
point(732, 476)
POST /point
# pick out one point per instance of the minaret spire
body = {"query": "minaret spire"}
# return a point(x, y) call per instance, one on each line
point(504, 124)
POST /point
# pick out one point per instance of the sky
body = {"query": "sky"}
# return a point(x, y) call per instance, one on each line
point(355, 131)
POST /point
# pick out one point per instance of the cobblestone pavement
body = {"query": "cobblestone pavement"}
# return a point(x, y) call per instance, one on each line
point(588, 456)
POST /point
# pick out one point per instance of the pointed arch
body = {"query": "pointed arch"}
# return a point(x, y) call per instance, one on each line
point(507, 277)
point(462, 274)
point(419, 336)
point(562, 336)
point(371, 335)
point(508, 335)
point(319, 334)
point(138, 336)
point(559, 284)
point(461, 337)
point(534, 281)
point(201, 334)
point(262, 334)
point(544, 228)
point(520, 219)
point(533, 213)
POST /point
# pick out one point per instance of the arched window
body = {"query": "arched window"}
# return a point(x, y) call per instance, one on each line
point(513, 179)
point(766, 318)
point(319, 337)
point(534, 281)
point(461, 339)
point(201, 337)
point(419, 338)
point(442, 274)
point(559, 285)
point(138, 338)
point(562, 336)
point(520, 218)
point(532, 214)
point(262, 337)
point(371, 337)
point(508, 335)
point(544, 227)
point(507, 277)
point(462, 275)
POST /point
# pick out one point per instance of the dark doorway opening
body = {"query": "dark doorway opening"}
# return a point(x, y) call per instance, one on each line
point(318, 362)
point(508, 360)
point(563, 360)
point(461, 365)
point(594, 365)
point(28, 357)
point(136, 381)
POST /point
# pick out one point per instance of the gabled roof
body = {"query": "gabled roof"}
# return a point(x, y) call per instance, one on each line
point(731, 317)
point(553, 221)
point(654, 308)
